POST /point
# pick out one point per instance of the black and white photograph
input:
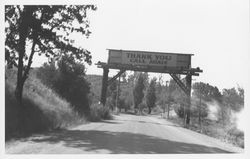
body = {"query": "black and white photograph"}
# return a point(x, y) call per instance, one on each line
point(142, 78)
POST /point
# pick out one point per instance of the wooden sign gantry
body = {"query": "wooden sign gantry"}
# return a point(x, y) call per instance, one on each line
point(173, 71)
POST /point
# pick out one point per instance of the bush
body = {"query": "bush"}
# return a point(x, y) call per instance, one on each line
point(99, 112)
point(68, 80)
point(194, 110)
point(123, 104)
point(236, 136)
point(179, 110)
point(157, 110)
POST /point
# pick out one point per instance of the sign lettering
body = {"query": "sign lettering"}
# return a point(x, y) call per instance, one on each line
point(155, 59)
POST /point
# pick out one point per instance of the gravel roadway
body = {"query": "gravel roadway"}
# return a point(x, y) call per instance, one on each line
point(125, 134)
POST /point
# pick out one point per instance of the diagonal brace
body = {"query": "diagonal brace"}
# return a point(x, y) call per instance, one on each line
point(116, 76)
point(180, 83)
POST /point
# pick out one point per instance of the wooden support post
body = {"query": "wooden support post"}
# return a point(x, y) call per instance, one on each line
point(188, 85)
point(104, 85)
point(117, 95)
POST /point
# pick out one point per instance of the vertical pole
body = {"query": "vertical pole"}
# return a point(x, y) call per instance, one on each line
point(117, 95)
point(104, 85)
point(168, 109)
point(200, 109)
point(188, 84)
point(184, 115)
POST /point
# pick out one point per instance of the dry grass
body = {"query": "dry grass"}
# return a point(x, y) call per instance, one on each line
point(42, 108)
point(227, 133)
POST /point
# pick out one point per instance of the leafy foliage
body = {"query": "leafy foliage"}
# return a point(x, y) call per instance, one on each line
point(99, 112)
point(126, 93)
point(46, 30)
point(202, 94)
point(233, 98)
point(138, 90)
point(150, 95)
point(206, 91)
point(49, 27)
point(95, 87)
point(112, 93)
point(68, 81)
point(179, 97)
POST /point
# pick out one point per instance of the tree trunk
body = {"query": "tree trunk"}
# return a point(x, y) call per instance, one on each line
point(19, 91)
point(149, 110)
point(188, 118)
point(199, 118)
point(20, 81)
point(168, 112)
point(23, 32)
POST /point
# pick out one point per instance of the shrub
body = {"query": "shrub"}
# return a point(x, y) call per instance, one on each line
point(179, 110)
point(157, 110)
point(68, 80)
point(236, 136)
point(99, 112)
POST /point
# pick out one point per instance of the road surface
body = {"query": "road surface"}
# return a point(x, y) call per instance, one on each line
point(126, 134)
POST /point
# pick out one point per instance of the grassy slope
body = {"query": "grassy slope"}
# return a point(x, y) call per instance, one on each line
point(42, 108)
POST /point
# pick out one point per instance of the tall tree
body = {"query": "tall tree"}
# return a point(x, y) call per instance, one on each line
point(127, 90)
point(150, 95)
point(138, 91)
point(202, 94)
point(112, 93)
point(233, 98)
point(43, 30)
point(169, 94)
point(207, 91)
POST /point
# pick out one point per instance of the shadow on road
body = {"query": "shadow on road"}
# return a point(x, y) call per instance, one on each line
point(122, 143)
point(109, 122)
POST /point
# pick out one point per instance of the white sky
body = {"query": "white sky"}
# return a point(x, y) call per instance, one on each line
point(216, 31)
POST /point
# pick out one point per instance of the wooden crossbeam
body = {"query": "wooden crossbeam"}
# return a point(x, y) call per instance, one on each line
point(192, 71)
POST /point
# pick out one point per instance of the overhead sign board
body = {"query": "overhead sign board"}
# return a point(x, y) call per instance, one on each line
point(154, 59)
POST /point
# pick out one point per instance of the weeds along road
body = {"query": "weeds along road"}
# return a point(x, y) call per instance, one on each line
point(126, 134)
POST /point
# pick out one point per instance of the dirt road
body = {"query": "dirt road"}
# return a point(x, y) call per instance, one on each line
point(126, 134)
